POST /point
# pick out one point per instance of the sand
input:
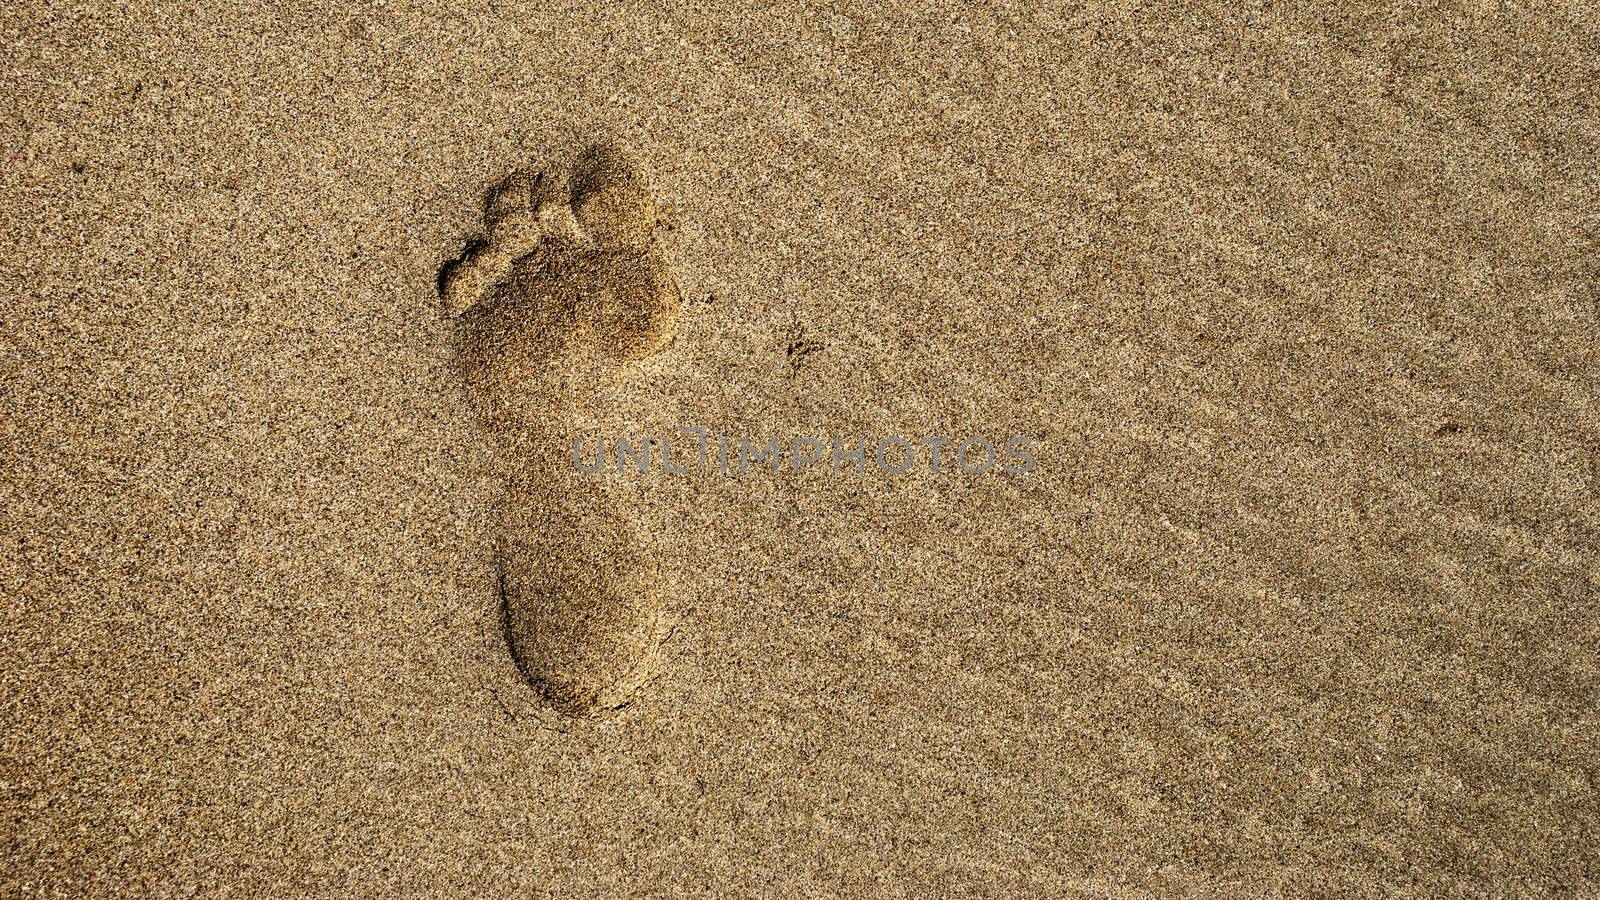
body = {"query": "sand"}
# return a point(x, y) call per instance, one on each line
point(1298, 309)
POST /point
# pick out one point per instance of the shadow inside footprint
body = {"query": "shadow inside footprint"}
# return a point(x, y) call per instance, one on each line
point(565, 285)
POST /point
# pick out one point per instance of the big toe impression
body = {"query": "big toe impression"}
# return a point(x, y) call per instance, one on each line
point(611, 200)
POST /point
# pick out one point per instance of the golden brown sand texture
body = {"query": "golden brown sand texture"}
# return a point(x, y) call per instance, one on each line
point(303, 595)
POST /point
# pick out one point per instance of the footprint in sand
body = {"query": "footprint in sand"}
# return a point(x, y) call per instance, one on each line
point(568, 287)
